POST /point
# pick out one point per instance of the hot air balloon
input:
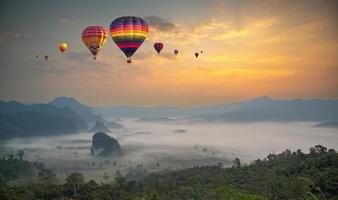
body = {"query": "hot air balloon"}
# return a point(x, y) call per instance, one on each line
point(129, 33)
point(158, 47)
point(46, 58)
point(196, 54)
point(36, 56)
point(63, 47)
point(175, 52)
point(201, 51)
point(94, 37)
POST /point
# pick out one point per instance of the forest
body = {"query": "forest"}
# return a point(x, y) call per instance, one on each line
point(290, 175)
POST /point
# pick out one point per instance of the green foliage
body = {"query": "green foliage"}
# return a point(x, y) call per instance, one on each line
point(236, 194)
point(285, 176)
point(12, 167)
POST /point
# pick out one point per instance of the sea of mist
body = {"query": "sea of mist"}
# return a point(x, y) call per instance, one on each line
point(168, 146)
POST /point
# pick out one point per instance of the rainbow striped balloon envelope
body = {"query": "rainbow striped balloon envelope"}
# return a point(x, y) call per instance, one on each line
point(94, 37)
point(129, 33)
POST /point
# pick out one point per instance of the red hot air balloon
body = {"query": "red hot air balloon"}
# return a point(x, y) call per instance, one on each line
point(175, 52)
point(158, 47)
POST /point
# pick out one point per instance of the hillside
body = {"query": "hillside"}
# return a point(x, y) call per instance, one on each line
point(267, 109)
point(82, 110)
point(285, 176)
point(257, 109)
point(327, 124)
point(17, 119)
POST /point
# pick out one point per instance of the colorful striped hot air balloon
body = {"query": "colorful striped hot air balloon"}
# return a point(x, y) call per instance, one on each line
point(94, 37)
point(129, 33)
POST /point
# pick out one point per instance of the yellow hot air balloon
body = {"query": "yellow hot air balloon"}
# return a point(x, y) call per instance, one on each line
point(63, 47)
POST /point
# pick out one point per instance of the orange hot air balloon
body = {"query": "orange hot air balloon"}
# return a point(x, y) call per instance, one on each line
point(63, 47)
point(94, 37)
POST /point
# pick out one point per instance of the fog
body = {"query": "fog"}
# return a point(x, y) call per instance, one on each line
point(161, 146)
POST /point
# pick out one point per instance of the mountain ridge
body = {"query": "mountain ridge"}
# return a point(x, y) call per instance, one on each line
point(324, 109)
point(84, 111)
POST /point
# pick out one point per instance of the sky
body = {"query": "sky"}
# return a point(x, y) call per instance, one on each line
point(284, 49)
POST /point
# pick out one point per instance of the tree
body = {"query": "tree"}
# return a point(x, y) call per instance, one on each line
point(299, 187)
point(318, 149)
point(105, 176)
point(237, 162)
point(75, 179)
point(20, 154)
point(120, 180)
point(48, 176)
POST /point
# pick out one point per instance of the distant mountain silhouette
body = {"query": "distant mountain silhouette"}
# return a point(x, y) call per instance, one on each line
point(17, 119)
point(155, 119)
point(34, 124)
point(267, 109)
point(99, 127)
point(113, 125)
point(327, 124)
point(154, 112)
point(82, 110)
point(257, 109)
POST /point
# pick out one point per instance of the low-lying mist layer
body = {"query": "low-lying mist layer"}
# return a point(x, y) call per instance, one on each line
point(158, 146)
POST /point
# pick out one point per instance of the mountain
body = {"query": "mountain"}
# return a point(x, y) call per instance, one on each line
point(155, 119)
point(82, 110)
point(154, 112)
point(267, 109)
point(34, 124)
point(66, 112)
point(113, 125)
point(99, 127)
point(327, 124)
point(18, 119)
point(104, 145)
point(257, 109)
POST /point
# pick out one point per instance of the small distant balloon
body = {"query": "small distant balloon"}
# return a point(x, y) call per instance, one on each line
point(196, 54)
point(94, 37)
point(201, 51)
point(158, 47)
point(46, 58)
point(175, 52)
point(63, 47)
point(36, 56)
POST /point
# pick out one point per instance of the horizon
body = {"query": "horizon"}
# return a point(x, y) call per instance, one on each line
point(174, 106)
point(282, 49)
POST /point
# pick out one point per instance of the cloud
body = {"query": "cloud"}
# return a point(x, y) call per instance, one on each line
point(11, 35)
point(255, 21)
point(159, 23)
point(69, 22)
